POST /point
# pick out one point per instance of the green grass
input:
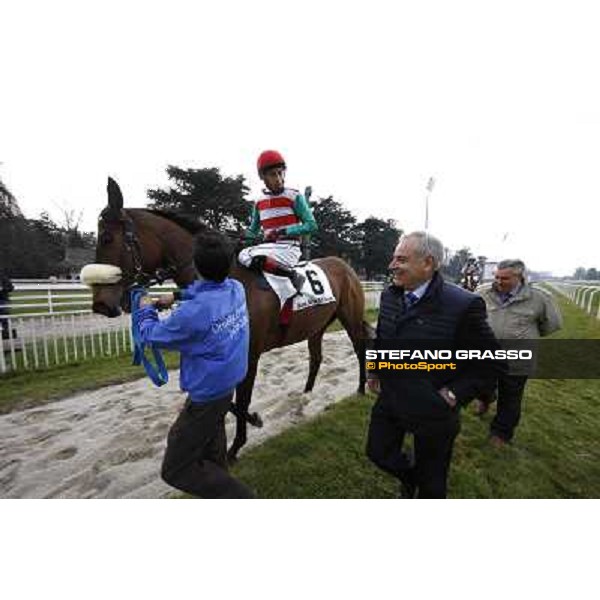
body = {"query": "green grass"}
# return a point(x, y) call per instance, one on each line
point(555, 454)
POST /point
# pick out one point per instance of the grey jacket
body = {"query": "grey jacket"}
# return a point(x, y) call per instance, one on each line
point(530, 314)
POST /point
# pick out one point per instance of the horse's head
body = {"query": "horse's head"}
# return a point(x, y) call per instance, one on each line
point(125, 252)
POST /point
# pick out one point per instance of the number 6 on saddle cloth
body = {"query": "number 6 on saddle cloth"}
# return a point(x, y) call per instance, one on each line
point(315, 290)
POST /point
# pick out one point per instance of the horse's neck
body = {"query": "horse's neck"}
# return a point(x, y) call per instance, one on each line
point(180, 257)
point(175, 246)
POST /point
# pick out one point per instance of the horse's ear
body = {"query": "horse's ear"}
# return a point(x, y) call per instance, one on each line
point(115, 197)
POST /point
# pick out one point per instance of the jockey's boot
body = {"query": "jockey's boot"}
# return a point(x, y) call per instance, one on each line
point(297, 280)
point(272, 266)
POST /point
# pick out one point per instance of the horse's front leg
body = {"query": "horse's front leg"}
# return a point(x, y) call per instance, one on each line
point(243, 396)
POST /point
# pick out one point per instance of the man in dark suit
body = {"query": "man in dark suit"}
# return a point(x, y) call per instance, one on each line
point(419, 306)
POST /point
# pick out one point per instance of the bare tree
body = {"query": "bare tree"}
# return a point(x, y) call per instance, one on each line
point(70, 218)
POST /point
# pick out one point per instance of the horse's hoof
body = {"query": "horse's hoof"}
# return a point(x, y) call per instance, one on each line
point(255, 420)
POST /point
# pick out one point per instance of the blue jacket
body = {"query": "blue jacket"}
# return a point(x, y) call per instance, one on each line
point(211, 331)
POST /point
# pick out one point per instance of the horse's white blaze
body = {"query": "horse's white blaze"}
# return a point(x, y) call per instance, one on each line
point(98, 274)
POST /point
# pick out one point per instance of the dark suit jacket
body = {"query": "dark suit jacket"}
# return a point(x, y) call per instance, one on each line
point(445, 313)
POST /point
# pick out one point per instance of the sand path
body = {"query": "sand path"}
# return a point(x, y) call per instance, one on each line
point(109, 443)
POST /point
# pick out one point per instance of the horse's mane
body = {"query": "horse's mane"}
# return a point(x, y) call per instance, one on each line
point(191, 224)
point(188, 223)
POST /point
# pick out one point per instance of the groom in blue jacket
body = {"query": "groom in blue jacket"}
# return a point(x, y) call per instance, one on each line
point(211, 331)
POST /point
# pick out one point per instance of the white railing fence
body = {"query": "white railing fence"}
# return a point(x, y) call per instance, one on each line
point(42, 297)
point(584, 294)
point(51, 324)
point(42, 341)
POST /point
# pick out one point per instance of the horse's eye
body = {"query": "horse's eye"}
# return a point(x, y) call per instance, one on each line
point(106, 238)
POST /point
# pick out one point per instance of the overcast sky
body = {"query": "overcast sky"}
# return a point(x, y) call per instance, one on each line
point(500, 102)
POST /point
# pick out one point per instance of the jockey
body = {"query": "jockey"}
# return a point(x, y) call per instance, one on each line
point(284, 216)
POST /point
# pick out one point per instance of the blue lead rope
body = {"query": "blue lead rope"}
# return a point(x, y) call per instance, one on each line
point(158, 374)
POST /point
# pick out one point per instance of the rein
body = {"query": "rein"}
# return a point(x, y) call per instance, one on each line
point(158, 374)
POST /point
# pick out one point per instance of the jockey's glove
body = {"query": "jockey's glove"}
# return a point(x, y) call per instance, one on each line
point(275, 234)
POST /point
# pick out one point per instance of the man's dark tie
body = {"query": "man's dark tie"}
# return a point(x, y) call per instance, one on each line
point(411, 299)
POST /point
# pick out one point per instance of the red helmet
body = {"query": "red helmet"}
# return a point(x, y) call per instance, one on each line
point(269, 159)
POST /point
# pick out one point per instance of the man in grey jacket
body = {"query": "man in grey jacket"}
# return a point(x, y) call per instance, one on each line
point(516, 310)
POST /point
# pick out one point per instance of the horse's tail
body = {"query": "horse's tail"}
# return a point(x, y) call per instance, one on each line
point(369, 331)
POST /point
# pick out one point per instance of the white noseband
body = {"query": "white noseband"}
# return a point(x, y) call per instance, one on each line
point(98, 274)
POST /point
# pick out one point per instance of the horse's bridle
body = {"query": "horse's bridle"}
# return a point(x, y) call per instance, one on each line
point(132, 245)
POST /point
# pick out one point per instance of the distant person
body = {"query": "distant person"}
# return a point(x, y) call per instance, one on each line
point(284, 216)
point(516, 310)
point(211, 331)
point(6, 287)
point(471, 275)
point(419, 305)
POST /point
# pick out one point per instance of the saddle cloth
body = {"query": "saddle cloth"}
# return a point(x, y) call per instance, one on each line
point(316, 289)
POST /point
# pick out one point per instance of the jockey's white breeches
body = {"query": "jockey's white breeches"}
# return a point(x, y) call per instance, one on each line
point(285, 253)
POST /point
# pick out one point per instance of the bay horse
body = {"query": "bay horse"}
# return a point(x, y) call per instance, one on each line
point(143, 243)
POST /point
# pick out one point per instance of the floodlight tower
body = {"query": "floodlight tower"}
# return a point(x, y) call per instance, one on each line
point(429, 187)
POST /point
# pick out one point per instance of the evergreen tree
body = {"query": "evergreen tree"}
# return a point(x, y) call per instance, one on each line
point(336, 235)
point(205, 194)
point(378, 239)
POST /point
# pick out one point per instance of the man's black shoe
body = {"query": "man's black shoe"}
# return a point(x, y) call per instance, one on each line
point(407, 491)
point(408, 487)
